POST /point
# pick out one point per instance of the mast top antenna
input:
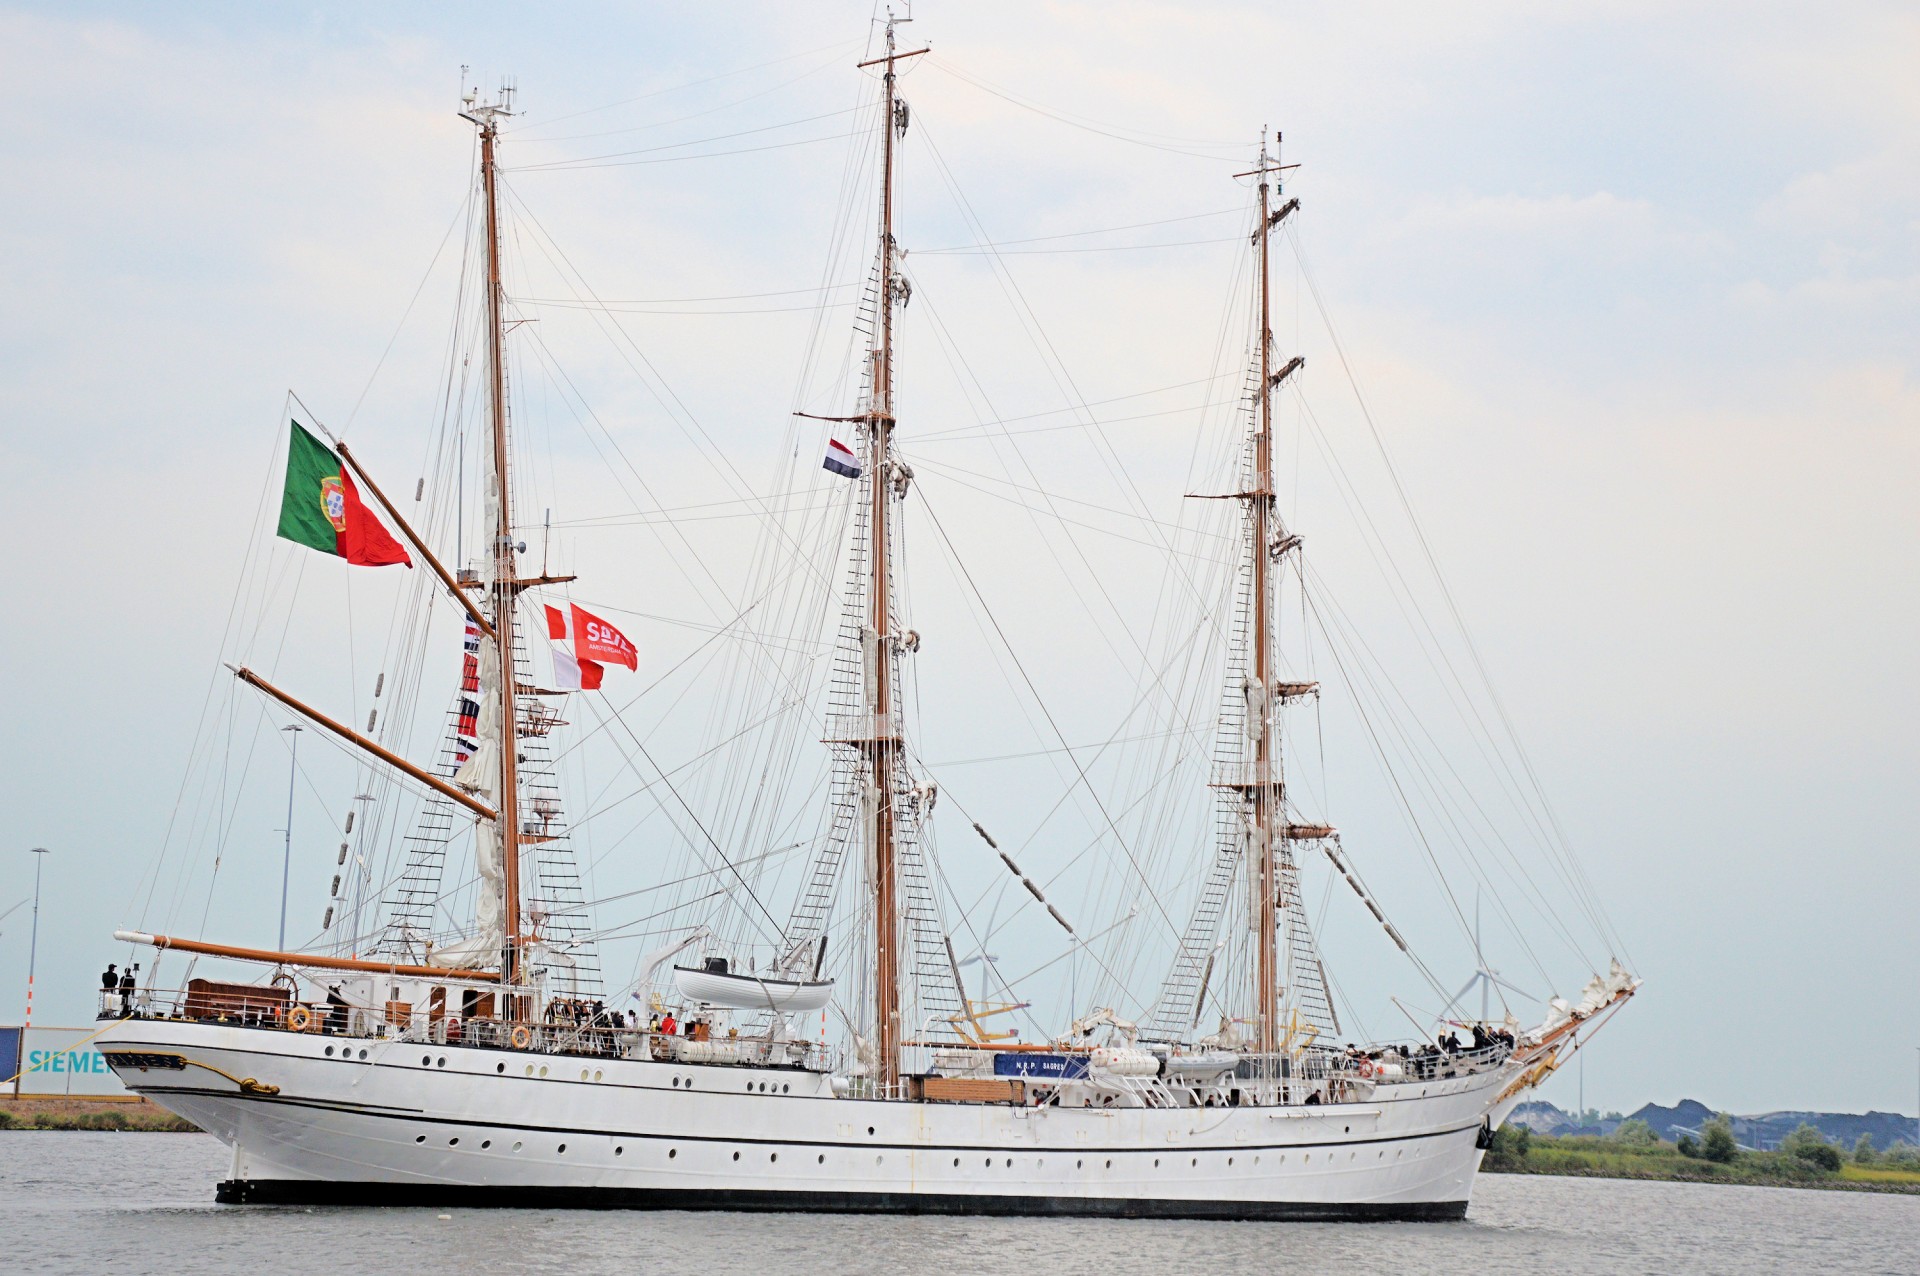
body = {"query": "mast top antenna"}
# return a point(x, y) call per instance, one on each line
point(490, 112)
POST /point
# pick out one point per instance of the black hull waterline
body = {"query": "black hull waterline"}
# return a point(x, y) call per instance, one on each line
point(419, 1195)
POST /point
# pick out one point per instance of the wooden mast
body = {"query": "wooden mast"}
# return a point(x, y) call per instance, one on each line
point(882, 742)
point(1266, 793)
point(504, 582)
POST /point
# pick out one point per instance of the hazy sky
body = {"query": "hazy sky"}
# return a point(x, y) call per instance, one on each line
point(1633, 291)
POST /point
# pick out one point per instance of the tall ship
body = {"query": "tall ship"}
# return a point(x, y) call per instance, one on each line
point(821, 1051)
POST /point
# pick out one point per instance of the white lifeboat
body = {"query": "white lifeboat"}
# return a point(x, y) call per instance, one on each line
point(715, 985)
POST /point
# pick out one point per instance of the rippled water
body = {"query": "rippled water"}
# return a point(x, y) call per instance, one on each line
point(73, 1202)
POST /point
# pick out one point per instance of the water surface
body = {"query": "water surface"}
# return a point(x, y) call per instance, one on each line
point(84, 1202)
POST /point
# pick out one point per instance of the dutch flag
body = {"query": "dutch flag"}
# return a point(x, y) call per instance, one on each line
point(841, 460)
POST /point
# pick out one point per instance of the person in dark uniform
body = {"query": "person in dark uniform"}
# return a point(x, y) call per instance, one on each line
point(336, 1010)
point(127, 984)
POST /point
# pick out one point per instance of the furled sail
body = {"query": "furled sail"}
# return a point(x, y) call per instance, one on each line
point(480, 774)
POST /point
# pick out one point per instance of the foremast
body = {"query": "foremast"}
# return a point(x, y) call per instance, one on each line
point(503, 584)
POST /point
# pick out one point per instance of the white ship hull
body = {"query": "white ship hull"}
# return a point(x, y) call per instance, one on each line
point(416, 1124)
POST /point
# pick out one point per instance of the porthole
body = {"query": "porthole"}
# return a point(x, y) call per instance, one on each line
point(1079, 1165)
point(869, 1129)
point(563, 1149)
point(454, 1142)
point(363, 1054)
point(543, 1069)
point(1229, 1160)
point(529, 1069)
point(988, 1162)
point(329, 1052)
point(499, 1067)
point(823, 1159)
point(879, 1160)
point(585, 1073)
point(1009, 1162)
point(441, 1062)
point(784, 1089)
point(1156, 1162)
point(1346, 1129)
point(419, 1138)
point(672, 1152)
point(1195, 1161)
point(516, 1145)
point(619, 1151)
point(773, 1156)
point(426, 1061)
point(485, 1144)
point(1109, 1164)
point(749, 1086)
point(956, 1162)
point(736, 1156)
point(597, 1074)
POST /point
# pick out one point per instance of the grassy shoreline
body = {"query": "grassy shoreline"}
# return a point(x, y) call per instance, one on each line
point(1587, 1157)
point(90, 1114)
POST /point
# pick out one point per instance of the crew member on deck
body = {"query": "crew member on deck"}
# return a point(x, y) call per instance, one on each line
point(109, 981)
point(127, 983)
point(336, 1009)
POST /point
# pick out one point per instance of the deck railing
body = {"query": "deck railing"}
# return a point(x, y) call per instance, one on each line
point(274, 1010)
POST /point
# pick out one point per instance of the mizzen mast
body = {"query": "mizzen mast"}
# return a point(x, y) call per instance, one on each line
point(1268, 543)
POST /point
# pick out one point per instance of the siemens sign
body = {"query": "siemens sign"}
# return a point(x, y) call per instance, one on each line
point(54, 1062)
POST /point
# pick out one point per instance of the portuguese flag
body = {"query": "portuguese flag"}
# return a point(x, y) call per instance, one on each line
point(321, 508)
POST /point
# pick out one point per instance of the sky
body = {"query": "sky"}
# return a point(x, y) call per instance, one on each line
point(1632, 293)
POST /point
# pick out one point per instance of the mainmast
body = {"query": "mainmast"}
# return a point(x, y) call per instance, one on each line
point(504, 580)
point(881, 743)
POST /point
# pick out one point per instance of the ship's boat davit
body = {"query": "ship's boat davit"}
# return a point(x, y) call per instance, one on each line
point(715, 985)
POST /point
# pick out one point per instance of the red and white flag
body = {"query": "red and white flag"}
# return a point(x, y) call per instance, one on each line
point(590, 644)
point(841, 460)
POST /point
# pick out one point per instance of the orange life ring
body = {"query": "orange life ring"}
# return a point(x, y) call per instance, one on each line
point(299, 1019)
point(521, 1037)
point(1366, 1067)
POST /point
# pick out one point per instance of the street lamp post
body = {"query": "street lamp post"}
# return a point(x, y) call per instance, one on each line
point(286, 855)
point(33, 954)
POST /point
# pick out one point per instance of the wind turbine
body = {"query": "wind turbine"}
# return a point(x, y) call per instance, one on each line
point(1484, 975)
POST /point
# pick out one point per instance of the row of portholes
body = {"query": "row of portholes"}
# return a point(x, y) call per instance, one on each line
point(774, 1157)
point(763, 1090)
point(454, 1142)
point(346, 1052)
